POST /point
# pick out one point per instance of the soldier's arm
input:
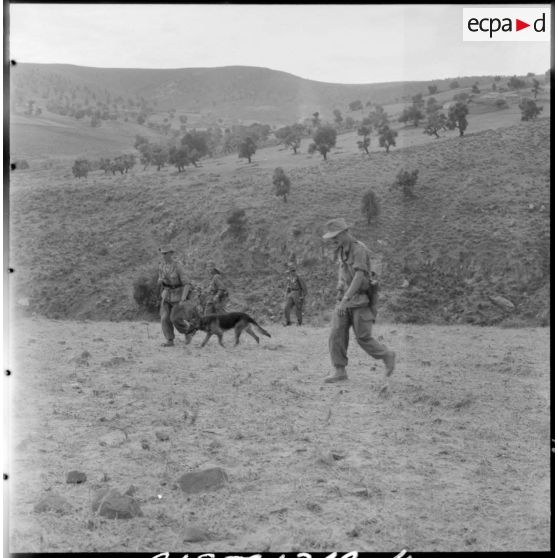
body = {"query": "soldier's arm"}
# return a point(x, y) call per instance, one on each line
point(360, 265)
point(186, 283)
point(160, 277)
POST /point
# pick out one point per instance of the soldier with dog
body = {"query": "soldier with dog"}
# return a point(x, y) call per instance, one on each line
point(355, 302)
point(176, 288)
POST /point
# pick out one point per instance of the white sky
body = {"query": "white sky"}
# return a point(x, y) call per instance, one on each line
point(327, 42)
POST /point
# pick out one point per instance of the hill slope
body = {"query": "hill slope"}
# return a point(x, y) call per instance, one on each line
point(236, 92)
point(478, 229)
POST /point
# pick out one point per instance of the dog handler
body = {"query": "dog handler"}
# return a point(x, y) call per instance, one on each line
point(353, 305)
point(176, 288)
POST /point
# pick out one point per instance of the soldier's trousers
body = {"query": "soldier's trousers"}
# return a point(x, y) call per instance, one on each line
point(360, 319)
point(169, 319)
point(293, 301)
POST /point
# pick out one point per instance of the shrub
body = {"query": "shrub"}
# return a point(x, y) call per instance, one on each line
point(529, 109)
point(369, 206)
point(146, 292)
point(406, 181)
point(281, 183)
point(81, 168)
point(237, 221)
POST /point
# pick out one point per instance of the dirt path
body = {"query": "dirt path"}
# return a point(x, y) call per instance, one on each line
point(456, 458)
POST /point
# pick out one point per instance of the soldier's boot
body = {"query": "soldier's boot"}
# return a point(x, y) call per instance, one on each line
point(339, 375)
point(389, 361)
point(168, 343)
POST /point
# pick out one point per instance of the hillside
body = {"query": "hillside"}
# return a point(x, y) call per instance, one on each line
point(478, 229)
point(206, 95)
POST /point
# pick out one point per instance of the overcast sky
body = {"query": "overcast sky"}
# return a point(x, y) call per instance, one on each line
point(331, 43)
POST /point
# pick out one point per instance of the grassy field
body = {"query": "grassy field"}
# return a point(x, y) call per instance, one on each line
point(442, 463)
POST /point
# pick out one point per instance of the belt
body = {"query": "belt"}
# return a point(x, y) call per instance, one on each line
point(167, 286)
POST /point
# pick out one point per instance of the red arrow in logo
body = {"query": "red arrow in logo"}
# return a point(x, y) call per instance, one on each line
point(519, 25)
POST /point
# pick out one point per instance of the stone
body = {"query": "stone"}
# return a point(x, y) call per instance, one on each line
point(162, 436)
point(113, 505)
point(113, 439)
point(53, 502)
point(203, 481)
point(76, 477)
point(502, 302)
point(194, 534)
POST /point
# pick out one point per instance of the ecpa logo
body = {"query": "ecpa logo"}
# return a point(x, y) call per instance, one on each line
point(506, 24)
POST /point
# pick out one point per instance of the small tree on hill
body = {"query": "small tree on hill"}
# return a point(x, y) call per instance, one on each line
point(386, 137)
point(377, 117)
point(355, 105)
point(432, 89)
point(369, 206)
point(364, 144)
point(81, 168)
point(536, 87)
point(457, 117)
point(281, 183)
point(454, 84)
point(529, 109)
point(290, 136)
point(179, 157)
point(324, 139)
point(337, 117)
point(406, 181)
point(411, 113)
point(436, 121)
point(246, 149)
point(196, 146)
point(516, 83)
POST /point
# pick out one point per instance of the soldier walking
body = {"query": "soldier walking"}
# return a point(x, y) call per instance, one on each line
point(176, 288)
point(217, 294)
point(295, 293)
point(354, 307)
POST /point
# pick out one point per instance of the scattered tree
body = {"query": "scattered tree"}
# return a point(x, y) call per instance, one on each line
point(454, 84)
point(355, 105)
point(378, 117)
point(291, 136)
point(364, 144)
point(369, 206)
point(316, 120)
point(529, 109)
point(536, 87)
point(146, 292)
point(436, 121)
point(246, 149)
point(432, 89)
point(281, 183)
point(81, 168)
point(338, 119)
point(386, 137)
point(411, 113)
point(196, 146)
point(516, 83)
point(324, 139)
point(406, 181)
point(457, 117)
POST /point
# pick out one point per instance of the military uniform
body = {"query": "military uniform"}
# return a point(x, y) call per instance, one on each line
point(217, 295)
point(355, 310)
point(295, 294)
point(176, 287)
point(359, 315)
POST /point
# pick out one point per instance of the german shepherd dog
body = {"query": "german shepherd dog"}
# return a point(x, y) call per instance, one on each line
point(217, 324)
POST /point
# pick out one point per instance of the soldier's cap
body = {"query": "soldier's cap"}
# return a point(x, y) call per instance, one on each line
point(334, 227)
point(166, 249)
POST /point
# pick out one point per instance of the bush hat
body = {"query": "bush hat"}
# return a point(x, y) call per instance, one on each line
point(166, 249)
point(334, 227)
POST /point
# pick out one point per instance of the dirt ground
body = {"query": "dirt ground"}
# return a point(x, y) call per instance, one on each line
point(455, 458)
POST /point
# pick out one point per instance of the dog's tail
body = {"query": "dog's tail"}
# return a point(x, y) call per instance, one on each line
point(260, 328)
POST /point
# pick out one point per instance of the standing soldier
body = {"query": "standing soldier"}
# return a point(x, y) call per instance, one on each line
point(354, 307)
point(217, 294)
point(295, 294)
point(176, 288)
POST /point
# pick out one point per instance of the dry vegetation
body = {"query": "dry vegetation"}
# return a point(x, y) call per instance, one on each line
point(455, 458)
